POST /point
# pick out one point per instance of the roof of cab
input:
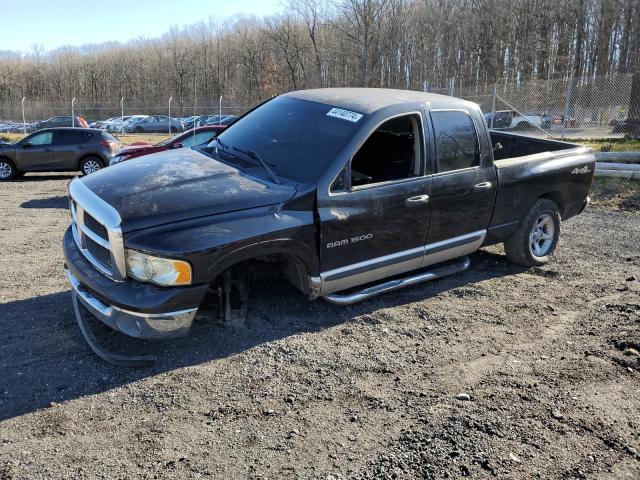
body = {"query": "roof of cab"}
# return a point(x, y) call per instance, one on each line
point(369, 100)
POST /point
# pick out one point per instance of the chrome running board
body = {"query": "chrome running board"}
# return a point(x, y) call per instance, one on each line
point(388, 286)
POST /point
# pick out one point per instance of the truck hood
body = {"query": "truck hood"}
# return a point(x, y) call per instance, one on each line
point(177, 185)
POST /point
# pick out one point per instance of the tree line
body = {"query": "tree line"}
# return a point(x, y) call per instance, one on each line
point(409, 44)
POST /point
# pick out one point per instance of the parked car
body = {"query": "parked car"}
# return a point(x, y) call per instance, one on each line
point(60, 121)
point(501, 119)
point(626, 126)
point(197, 121)
point(102, 124)
point(154, 124)
point(559, 121)
point(10, 127)
point(120, 124)
point(511, 119)
point(338, 189)
point(58, 150)
point(226, 120)
point(190, 138)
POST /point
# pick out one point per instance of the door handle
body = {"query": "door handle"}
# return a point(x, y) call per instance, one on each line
point(47, 150)
point(417, 201)
point(482, 186)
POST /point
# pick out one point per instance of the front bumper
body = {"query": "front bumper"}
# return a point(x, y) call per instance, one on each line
point(134, 324)
point(136, 309)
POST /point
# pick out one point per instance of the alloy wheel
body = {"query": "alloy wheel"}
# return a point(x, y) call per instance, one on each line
point(90, 166)
point(5, 170)
point(542, 235)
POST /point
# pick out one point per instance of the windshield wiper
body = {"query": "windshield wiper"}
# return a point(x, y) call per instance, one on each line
point(224, 145)
point(255, 156)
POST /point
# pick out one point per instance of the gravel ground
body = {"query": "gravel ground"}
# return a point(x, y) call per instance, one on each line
point(495, 372)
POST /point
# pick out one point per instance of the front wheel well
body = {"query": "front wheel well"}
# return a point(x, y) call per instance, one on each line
point(230, 289)
point(273, 266)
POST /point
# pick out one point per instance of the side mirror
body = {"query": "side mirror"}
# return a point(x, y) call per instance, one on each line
point(177, 145)
point(26, 144)
point(497, 147)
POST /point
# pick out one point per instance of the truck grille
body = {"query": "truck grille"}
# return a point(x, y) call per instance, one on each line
point(97, 234)
point(98, 252)
point(95, 226)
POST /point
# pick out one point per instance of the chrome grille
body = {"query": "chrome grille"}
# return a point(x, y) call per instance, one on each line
point(96, 231)
point(100, 253)
point(95, 226)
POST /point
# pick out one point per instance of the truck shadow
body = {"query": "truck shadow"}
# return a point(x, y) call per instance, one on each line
point(44, 358)
point(53, 202)
point(42, 177)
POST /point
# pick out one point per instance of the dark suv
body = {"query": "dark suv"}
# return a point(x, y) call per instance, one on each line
point(61, 121)
point(58, 149)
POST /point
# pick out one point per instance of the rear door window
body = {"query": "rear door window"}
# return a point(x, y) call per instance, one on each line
point(456, 140)
point(71, 137)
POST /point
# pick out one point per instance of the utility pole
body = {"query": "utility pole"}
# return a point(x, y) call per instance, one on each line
point(24, 123)
point(633, 118)
point(122, 115)
point(170, 98)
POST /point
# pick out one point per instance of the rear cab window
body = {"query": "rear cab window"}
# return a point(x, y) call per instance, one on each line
point(456, 140)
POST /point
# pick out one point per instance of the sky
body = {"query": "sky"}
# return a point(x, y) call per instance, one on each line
point(54, 24)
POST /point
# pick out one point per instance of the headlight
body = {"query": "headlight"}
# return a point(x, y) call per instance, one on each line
point(116, 159)
point(161, 271)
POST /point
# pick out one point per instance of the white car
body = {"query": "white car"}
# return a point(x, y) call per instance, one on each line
point(510, 119)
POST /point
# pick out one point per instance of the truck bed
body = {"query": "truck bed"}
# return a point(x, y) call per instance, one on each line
point(528, 168)
point(515, 145)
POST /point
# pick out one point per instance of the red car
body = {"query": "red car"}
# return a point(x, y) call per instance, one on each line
point(190, 138)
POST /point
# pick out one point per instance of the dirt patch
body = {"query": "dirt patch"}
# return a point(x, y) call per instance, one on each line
point(616, 194)
point(495, 372)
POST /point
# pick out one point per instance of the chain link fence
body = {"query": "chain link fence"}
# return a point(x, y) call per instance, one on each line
point(560, 108)
point(18, 117)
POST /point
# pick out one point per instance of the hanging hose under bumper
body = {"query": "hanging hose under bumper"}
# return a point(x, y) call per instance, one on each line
point(390, 285)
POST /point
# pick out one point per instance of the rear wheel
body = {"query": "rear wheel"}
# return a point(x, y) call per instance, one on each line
point(537, 237)
point(90, 165)
point(174, 129)
point(7, 170)
point(138, 129)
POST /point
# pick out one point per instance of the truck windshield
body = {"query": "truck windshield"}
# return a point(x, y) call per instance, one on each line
point(296, 138)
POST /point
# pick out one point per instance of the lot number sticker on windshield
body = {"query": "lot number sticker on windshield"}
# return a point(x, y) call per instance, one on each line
point(344, 114)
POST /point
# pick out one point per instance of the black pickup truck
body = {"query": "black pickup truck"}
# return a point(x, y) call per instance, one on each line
point(347, 192)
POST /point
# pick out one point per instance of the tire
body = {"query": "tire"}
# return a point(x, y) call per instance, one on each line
point(139, 130)
point(537, 236)
point(174, 130)
point(7, 170)
point(90, 165)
